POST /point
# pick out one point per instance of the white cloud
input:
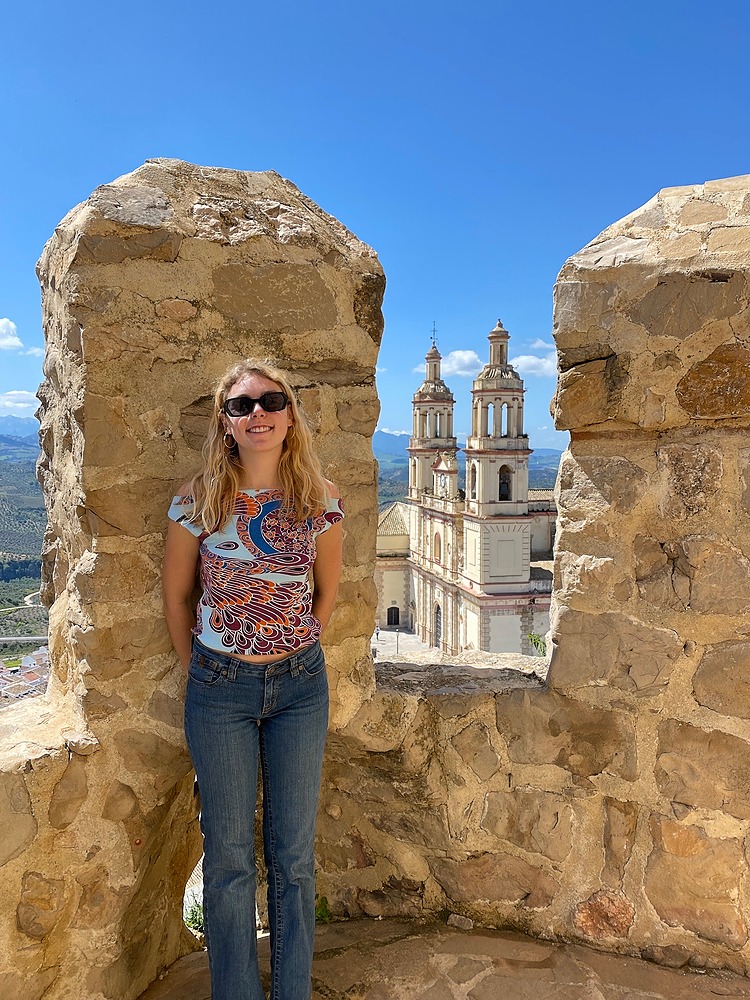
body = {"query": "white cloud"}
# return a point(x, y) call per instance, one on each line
point(462, 363)
point(385, 430)
point(466, 363)
point(9, 339)
point(379, 370)
point(539, 345)
point(530, 364)
point(18, 402)
point(544, 428)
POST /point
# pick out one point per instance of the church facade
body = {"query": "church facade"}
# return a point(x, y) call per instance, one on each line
point(468, 568)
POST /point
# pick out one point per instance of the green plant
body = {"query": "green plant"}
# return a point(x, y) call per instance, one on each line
point(322, 913)
point(194, 916)
point(538, 642)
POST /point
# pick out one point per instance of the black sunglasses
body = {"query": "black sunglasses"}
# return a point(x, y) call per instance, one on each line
point(243, 406)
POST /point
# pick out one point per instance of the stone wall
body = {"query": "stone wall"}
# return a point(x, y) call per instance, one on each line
point(151, 288)
point(613, 804)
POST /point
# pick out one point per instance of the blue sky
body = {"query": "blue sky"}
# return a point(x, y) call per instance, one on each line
point(475, 146)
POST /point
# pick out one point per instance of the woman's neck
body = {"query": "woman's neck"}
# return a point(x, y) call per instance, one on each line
point(259, 475)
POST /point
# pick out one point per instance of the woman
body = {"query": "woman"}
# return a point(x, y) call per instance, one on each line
point(259, 519)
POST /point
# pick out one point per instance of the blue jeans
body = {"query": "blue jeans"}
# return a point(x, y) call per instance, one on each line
point(236, 714)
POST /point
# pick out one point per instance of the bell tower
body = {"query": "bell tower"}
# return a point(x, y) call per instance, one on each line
point(497, 452)
point(432, 430)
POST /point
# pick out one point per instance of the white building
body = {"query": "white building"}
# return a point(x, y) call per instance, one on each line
point(469, 569)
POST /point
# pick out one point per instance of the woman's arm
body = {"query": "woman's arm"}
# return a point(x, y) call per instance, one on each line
point(178, 582)
point(327, 567)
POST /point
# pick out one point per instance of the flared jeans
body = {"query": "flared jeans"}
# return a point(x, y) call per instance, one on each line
point(238, 715)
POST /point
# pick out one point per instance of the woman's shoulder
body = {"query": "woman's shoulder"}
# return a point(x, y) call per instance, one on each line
point(185, 490)
point(333, 490)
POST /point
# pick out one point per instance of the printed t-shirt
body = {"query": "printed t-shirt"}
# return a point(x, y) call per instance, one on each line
point(257, 597)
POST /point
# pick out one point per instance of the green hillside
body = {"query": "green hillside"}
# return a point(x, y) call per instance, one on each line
point(22, 515)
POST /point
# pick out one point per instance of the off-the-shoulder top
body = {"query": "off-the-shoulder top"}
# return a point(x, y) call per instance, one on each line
point(257, 597)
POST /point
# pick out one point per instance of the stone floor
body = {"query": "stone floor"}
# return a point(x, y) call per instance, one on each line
point(399, 960)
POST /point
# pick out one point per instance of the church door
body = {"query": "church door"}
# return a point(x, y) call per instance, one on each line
point(392, 616)
point(438, 625)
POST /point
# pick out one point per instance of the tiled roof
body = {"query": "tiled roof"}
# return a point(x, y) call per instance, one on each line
point(391, 521)
point(541, 494)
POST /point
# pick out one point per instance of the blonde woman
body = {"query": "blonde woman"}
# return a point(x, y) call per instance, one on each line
point(259, 520)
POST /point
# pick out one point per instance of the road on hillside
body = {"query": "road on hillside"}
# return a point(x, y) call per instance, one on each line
point(23, 638)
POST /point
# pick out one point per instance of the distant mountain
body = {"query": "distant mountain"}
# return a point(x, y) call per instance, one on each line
point(393, 478)
point(18, 449)
point(387, 443)
point(21, 427)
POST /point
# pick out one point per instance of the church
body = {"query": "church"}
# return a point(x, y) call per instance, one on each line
point(469, 569)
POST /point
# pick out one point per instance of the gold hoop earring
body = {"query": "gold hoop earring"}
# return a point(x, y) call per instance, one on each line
point(230, 443)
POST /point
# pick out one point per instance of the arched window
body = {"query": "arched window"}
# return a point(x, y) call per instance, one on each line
point(437, 549)
point(504, 416)
point(438, 625)
point(504, 483)
point(490, 420)
point(473, 482)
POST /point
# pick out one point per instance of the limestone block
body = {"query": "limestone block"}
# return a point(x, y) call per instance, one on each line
point(69, 794)
point(620, 823)
point(383, 721)
point(358, 416)
point(538, 822)
point(100, 706)
point(691, 880)
point(177, 310)
point(717, 386)
point(42, 902)
point(100, 902)
point(146, 751)
point(591, 392)
point(543, 727)
point(495, 878)
point(702, 573)
point(611, 649)
point(605, 914)
point(17, 820)
point(694, 478)
point(680, 305)
point(591, 485)
point(704, 770)
point(23, 987)
point(396, 897)
point(722, 680)
point(475, 749)
point(121, 802)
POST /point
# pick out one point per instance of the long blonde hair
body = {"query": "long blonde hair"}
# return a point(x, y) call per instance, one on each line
point(214, 487)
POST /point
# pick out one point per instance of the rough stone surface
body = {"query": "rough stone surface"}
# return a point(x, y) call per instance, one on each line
point(612, 804)
point(692, 879)
point(151, 289)
point(709, 770)
point(722, 680)
point(606, 914)
point(397, 960)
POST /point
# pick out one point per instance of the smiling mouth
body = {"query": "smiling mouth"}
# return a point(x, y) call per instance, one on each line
point(258, 430)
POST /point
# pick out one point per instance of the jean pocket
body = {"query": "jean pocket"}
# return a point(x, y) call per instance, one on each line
point(202, 671)
point(317, 665)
